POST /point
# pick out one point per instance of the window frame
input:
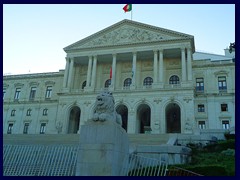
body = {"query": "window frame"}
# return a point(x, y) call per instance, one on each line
point(26, 128)
point(48, 93)
point(29, 112)
point(174, 79)
point(148, 81)
point(17, 94)
point(202, 124)
point(225, 124)
point(13, 112)
point(222, 83)
point(32, 94)
point(43, 128)
point(201, 108)
point(127, 82)
point(45, 112)
point(10, 128)
point(224, 107)
point(200, 84)
point(107, 83)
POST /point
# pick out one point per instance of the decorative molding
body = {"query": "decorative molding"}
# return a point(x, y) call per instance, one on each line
point(221, 72)
point(33, 84)
point(5, 86)
point(87, 103)
point(49, 83)
point(187, 99)
point(157, 100)
point(125, 35)
point(18, 85)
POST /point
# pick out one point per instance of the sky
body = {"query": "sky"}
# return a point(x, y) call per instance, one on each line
point(34, 35)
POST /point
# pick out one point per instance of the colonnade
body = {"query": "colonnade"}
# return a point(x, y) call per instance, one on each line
point(158, 69)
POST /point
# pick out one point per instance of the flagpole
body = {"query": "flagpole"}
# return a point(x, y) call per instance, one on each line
point(131, 14)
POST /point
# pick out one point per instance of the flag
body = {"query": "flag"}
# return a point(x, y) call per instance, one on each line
point(127, 7)
point(111, 73)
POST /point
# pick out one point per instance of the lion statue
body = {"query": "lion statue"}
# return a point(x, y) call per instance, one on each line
point(104, 108)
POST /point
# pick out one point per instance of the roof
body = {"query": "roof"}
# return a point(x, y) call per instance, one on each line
point(127, 32)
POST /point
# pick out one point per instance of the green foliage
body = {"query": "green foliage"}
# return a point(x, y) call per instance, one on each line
point(229, 136)
point(214, 159)
point(220, 146)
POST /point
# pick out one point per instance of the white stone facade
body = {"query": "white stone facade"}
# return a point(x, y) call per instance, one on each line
point(157, 84)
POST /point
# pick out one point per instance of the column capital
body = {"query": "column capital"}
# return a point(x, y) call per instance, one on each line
point(134, 52)
point(114, 55)
point(182, 48)
point(160, 49)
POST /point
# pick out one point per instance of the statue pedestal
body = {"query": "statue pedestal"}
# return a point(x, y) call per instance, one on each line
point(102, 150)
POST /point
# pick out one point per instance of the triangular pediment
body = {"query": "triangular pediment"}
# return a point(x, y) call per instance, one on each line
point(127, 32)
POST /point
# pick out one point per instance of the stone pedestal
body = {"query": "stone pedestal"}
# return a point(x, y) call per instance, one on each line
point(102, 150)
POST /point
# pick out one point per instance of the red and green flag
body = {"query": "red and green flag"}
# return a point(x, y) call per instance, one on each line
point(127, 8)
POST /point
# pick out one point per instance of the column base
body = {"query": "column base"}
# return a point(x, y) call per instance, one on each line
point(157, 85)
point(186, 84)
point(88, 89)
point(65, 90)
point(132, 87)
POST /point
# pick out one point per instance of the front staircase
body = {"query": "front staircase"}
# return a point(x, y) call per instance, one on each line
point(73, 139)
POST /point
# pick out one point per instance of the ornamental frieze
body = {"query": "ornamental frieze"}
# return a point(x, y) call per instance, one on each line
point(126, 35)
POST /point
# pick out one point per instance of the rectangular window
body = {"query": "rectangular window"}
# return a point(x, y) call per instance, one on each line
point(201, 125)
point(42, 128)
point(17, 94)
point(199, 85)
point(10, 127)
point(25, 129)
point(222, 84)
point(225, 124)
point(13, 112)
point(29, 112)
point(48, 92)
point(45, 112)
point(32, 93)
point(201, 108)
point(224, 107)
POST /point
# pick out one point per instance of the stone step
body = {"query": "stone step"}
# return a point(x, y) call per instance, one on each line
point(50, 139)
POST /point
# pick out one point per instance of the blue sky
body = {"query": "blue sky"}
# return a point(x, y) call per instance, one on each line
point(34, 35)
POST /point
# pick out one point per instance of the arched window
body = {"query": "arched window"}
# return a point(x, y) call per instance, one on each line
point(29, 112)
point(84, 84)
point(107, 83)
point(147, 81)
point(174, 80)
point(127, 82)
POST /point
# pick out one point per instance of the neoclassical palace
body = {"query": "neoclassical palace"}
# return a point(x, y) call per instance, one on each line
point(159, 83)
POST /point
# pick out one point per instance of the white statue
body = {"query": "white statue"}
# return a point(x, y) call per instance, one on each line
point(104, 108)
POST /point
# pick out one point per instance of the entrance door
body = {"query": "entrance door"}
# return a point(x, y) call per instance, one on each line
point(74, 120)
point(123, 111)
point(173, 118)
point(144, 117)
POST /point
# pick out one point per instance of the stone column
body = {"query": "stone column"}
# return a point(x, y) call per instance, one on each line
point(89, 72)
point(66, 73)
point(113, 71)
point(189, 64)
point(183, 59)
point(161, 66)
point(155, 65)
point(134, 63)
point(70, 73)
point(94, 69)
